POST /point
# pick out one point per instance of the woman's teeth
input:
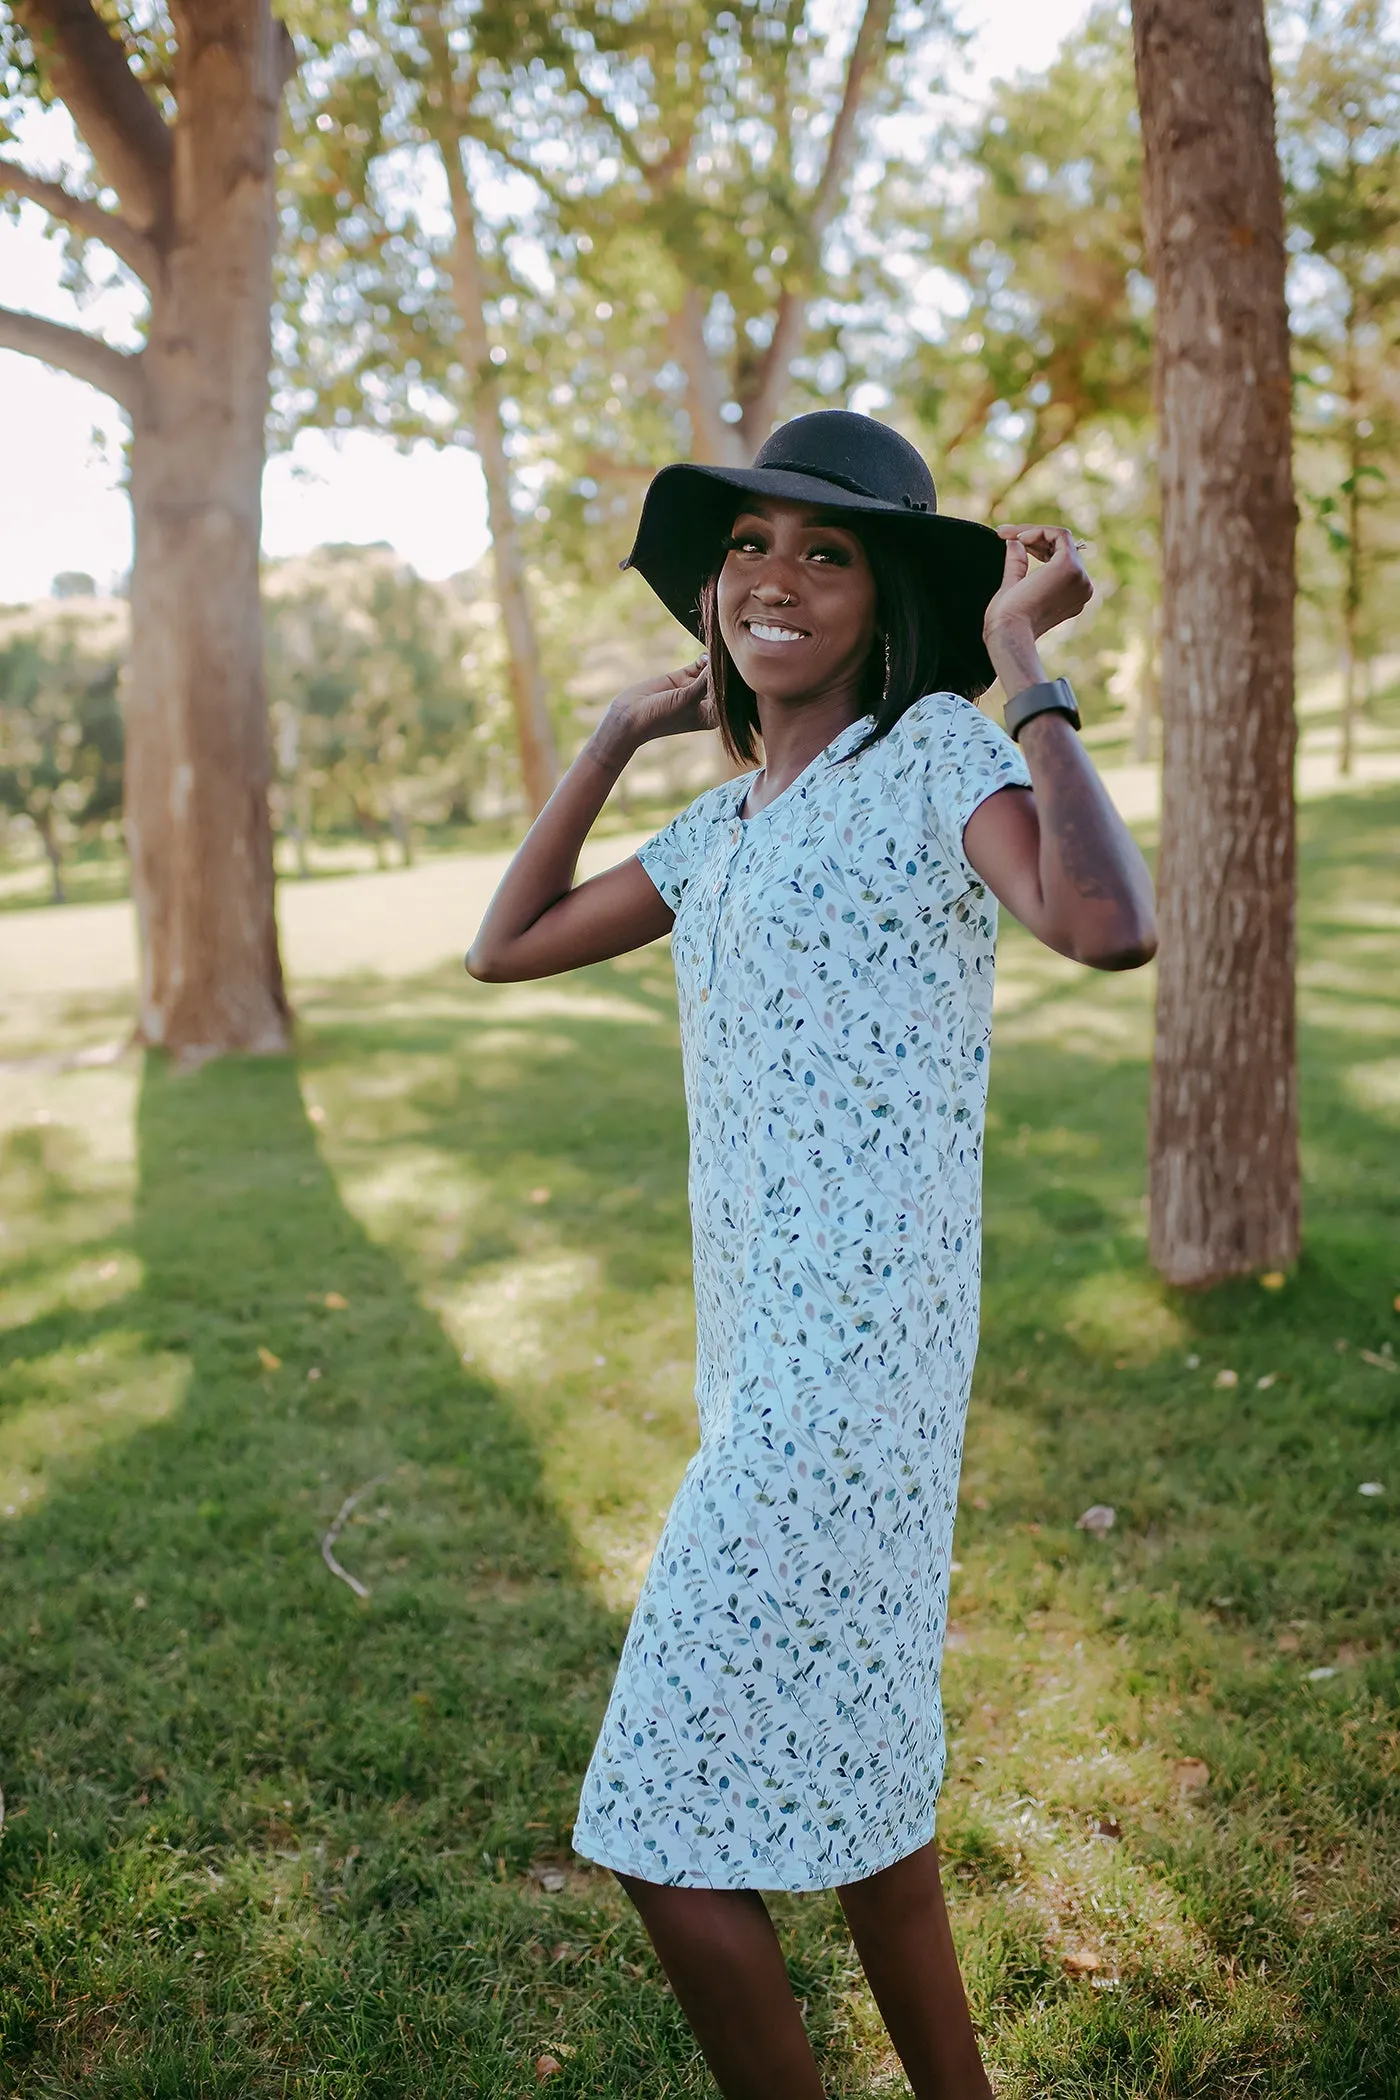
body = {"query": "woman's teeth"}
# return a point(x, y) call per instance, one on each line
point(762, 632)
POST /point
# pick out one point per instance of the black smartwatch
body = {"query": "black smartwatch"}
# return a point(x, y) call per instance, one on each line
point(1051, 696)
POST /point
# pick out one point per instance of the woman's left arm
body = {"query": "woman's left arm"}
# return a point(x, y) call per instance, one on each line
point(1061, 858)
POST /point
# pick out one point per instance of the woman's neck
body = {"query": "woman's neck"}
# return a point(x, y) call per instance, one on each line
point(794, 732)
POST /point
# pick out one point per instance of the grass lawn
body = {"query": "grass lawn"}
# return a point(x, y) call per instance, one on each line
point(265, 1837)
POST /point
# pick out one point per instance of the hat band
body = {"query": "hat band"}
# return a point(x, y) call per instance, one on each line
point(840, 481)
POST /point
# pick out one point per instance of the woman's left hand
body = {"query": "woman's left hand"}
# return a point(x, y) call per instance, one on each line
point(1040, 598)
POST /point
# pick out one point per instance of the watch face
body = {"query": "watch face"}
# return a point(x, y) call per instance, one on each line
point(1050, 696)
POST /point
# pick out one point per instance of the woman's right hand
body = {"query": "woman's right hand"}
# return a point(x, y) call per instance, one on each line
point(541, 920)
point(667, 705)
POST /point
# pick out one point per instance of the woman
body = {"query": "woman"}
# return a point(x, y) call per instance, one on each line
point(776, 1720)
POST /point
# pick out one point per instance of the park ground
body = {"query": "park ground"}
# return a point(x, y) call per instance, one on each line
point(267, 1837)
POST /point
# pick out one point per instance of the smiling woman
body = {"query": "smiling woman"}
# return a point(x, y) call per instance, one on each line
point(776, 1722)
point(793, 603)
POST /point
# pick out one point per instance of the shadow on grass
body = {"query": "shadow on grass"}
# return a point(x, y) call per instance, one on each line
point(265, 1837)
point(1238, 1511)
point(1253, 1592)
point(268, 1839)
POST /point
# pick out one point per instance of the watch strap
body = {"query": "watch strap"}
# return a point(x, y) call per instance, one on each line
point(1049, 696)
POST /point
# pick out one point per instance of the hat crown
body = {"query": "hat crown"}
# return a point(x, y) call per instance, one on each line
point(855, 453)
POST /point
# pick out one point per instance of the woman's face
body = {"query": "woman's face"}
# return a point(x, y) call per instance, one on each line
point(796, 600)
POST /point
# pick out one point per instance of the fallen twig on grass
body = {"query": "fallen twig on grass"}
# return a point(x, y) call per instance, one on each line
point(342, 1518)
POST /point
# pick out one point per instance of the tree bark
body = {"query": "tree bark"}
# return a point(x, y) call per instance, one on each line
point(714, 443)
point(116, 373)
point(198, 223)
point(121, 125)
point(84, 215)
point(1224, 1143)
point(198, 761)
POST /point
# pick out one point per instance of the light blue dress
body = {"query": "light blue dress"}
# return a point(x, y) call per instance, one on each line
point(776, 1722)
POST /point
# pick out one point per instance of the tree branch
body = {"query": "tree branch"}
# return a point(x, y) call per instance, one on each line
point(285, 66)
point(714, 442)
point(115, 372)
point(624, 138)
point(1043, 445)
point(659, 174)
point(84, 215)
point(987, 397)
point(88, 68)
point(485, 134)
point(870, 38)
point(761, 410)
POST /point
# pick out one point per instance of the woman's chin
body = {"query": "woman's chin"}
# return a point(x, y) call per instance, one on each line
point(779, 670)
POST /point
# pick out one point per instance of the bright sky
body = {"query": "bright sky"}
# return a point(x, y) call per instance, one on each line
point(60, 440)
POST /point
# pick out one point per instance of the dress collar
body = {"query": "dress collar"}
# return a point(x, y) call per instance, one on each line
point(841, 744)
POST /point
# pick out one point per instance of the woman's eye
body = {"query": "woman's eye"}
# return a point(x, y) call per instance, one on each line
point(831, 554)
point(743, 543)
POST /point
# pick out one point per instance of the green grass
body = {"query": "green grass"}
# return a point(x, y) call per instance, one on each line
point(266, 1839)
point(98, 871)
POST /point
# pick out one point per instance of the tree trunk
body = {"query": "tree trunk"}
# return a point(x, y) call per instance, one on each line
point(1351, 588)
point(1224, 1145)
point(48, 839)
point(1147, 698)
point(763, 409)
point(713, 442)
point(539, 757)
point(1346, 750)
point(198, 763)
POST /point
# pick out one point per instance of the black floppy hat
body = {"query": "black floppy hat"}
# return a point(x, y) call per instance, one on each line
point(844, 462)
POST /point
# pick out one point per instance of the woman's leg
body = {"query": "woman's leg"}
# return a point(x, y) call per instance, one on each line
point(900, 1926)
point(723, 1961)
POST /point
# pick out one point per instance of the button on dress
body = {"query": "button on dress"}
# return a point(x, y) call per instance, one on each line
point(776, 1721)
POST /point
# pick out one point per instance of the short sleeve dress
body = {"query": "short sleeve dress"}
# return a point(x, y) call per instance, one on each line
point(776, 1722)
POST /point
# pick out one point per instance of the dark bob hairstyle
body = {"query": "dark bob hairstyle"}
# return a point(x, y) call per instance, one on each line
point(908, 658)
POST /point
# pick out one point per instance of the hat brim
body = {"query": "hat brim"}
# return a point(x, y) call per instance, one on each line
point(687, 509)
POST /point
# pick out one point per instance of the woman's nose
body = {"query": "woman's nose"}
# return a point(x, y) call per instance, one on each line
point(775, 586)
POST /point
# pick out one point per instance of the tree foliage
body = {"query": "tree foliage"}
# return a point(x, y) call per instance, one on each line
point(669, 202)
point(376, 682)
point(1054, 333)
point(1340, 135)
point(61, 744)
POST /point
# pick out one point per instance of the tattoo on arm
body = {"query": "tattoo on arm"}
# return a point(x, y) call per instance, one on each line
point(1084, 851)
point(611, 746)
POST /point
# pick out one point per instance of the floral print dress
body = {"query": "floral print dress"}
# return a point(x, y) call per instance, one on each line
point(776, 1721)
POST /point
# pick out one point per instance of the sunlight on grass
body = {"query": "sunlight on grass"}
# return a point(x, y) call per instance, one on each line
point(1125, 1316)
point(1375, 1086)
point(83, 1402)
point(612, 1415)
point(513, 1320)
point(573, 1001)
point(293, 1830)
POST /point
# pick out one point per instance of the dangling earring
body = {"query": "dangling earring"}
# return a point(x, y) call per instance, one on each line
point(885, 690)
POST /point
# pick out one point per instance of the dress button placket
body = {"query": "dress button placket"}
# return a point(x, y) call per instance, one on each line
point(720, 889)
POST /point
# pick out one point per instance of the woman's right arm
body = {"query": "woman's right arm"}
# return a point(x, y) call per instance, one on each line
point(539, 923)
